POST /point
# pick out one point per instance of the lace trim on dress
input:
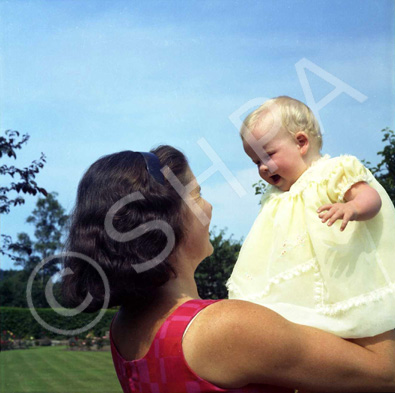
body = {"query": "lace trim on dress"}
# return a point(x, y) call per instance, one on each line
point(319, 286)
point(374, 296)
point(319, 291)
point(300, 184)
point(289, 274)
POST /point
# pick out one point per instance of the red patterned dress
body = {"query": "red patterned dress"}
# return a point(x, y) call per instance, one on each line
point(164, 369)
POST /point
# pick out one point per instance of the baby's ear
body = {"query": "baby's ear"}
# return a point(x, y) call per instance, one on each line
point(302, 140)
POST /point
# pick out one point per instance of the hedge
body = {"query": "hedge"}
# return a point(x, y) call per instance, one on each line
point(21, 322)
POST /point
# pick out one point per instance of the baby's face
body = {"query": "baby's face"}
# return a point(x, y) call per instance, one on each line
point(276, 154)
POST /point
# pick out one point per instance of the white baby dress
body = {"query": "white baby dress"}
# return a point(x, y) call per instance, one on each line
point(312, 274)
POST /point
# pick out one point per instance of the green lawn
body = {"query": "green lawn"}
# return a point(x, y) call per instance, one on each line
point(55, 370)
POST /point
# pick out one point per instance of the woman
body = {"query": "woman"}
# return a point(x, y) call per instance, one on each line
point(127, 213)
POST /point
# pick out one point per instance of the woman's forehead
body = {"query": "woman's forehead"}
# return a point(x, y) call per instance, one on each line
point(193, 184)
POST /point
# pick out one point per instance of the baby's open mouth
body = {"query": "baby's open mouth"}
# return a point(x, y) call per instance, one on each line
point(275, 178)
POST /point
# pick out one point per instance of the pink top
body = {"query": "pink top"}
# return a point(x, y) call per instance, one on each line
point(164, 369)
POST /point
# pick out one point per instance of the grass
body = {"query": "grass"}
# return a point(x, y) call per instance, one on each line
point(56, 370)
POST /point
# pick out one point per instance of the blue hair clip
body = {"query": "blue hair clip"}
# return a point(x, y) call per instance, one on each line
point(153, 166)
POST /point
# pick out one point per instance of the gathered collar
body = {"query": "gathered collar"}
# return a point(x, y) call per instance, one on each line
point(302, 181)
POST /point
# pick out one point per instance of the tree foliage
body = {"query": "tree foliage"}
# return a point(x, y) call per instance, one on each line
point(384, 171)
point(50, 220)
point(50, 223)
point(24, 182)
point(13, 288)
point(260, 187)
point(214, 271)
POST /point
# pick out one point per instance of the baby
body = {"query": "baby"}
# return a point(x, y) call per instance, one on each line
point(321, 250)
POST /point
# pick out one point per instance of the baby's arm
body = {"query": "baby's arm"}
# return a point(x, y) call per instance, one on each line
point(362, 202)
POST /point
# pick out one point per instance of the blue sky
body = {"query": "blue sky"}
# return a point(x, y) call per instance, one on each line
point(88, 78)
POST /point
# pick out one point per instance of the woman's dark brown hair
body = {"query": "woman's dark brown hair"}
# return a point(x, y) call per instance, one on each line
point(109, 179)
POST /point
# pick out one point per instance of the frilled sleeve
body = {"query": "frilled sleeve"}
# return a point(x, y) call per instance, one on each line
point(347, 171)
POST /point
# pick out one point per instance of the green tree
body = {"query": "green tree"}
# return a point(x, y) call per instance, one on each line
point(13, 288)
point(214, 271)
point(22, 180)
point(21, 251)
point(384, 171)
point(50, 223)
point(25, 183)
point(260, 187)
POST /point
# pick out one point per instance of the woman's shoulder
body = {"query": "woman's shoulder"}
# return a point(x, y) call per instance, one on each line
point(221, 315)
point(228, 313)
point(222, 322)
point(208, 340)
point(219, 342)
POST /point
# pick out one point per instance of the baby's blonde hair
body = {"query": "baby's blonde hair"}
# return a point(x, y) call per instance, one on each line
point(295, 117)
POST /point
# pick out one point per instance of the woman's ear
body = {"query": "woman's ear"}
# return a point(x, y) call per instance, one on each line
point(302, 140)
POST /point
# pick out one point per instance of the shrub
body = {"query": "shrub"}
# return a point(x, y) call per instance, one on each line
point(73, 343)
point(22, 323)
point(7, 340)
point(45, 342)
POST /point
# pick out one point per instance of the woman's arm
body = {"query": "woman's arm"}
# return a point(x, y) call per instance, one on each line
point(362, 202)
point(234, 343)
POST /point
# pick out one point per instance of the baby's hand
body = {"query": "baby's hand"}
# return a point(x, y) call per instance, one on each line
point(337, 211)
